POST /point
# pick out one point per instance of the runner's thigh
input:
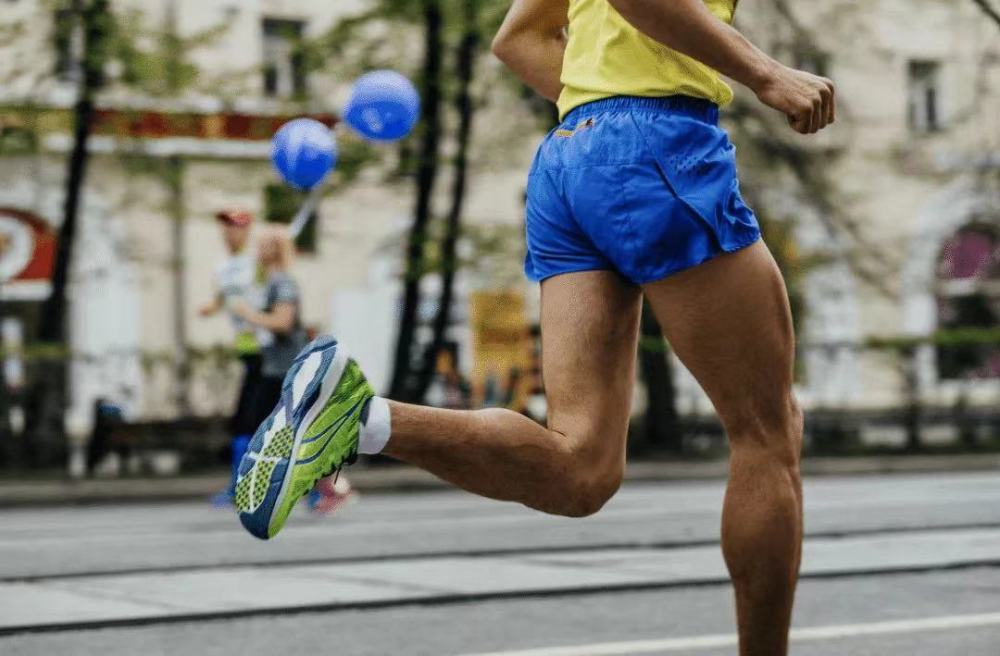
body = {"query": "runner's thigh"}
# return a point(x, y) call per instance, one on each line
point(590, 325)
point(729, 322)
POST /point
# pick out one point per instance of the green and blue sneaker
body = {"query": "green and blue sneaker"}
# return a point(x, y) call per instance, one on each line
point(312, 433)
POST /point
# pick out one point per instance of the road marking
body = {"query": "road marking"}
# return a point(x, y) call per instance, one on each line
point(798, 635)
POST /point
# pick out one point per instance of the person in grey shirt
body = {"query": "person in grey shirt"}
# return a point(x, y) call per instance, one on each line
point(281, 338)
point(278, 323)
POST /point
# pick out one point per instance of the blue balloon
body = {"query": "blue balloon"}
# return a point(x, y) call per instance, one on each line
point(384, 106)
point(304, 152)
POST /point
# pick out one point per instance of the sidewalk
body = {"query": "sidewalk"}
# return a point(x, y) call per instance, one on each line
point(22, 492)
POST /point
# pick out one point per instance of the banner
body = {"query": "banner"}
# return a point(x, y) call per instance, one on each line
point(501, 345)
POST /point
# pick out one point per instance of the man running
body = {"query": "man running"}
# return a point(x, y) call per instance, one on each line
point(634, 193)
point(236, 282)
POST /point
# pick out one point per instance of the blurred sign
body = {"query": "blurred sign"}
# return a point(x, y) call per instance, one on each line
point(17, 245)
point(27, 255)
point(153, 124)
point(500, 335)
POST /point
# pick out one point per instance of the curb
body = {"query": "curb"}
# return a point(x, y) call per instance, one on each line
point(21, 493)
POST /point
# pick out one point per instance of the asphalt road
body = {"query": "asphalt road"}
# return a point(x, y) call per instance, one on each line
point(903, 564)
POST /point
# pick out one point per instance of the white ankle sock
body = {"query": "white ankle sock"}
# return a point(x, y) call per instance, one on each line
point(376, 428)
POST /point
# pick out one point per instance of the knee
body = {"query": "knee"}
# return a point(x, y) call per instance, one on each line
point(590, 479)
point(774, 425)
point(590, 492)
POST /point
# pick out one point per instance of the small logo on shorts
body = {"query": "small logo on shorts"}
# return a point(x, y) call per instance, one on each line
point(586, 123)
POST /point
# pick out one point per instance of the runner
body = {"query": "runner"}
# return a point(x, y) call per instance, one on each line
point(634, 193)
point(235, 279)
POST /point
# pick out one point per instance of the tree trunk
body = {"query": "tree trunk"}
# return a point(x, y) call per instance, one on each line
point(175, 183)
point(401, 386)
point(94, 18)
point(465, 66)
point(48, 396)
point(986, 8)
point(182, 365)
point(912, 412)
point(663, 429)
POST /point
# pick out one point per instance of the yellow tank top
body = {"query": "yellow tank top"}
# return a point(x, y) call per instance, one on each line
point(606, 57)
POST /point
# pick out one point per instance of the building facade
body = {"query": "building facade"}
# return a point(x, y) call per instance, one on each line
point(908, 227)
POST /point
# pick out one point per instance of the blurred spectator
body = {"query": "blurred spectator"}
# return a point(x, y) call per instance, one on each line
point(449, 389)
point(494, 394)
point(107, 449)
point(514, 396)
point(236, 283)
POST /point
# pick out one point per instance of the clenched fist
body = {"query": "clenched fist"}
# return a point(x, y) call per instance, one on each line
point(808, 100)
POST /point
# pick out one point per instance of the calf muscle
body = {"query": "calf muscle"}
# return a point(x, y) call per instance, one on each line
point(729, 322)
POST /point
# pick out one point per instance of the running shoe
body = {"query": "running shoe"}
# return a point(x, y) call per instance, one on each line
point(312, 433)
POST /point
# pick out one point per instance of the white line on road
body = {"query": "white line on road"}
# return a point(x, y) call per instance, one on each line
point(798, 635)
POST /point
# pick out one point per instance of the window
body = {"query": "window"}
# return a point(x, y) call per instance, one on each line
point(281, 203)
point(67, 41)
point(284, 65)
point(969, 300)
point(924, 113)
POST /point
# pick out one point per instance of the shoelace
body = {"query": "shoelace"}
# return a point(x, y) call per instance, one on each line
point(351, 458)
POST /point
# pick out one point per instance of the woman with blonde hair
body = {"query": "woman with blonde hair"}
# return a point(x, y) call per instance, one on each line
point(278, 323)
point(281, 337)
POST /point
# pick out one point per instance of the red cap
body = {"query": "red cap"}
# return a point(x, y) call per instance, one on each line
point(240, 218)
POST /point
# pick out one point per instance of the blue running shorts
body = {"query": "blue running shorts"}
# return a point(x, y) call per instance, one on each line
point(643, 186)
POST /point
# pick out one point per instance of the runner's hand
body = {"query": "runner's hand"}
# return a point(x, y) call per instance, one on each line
point(807, 100)
point(240, 308)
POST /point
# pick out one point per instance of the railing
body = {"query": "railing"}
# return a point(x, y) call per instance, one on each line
point(882, 394)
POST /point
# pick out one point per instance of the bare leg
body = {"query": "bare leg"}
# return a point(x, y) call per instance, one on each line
point(729, 322)
point(590, 324)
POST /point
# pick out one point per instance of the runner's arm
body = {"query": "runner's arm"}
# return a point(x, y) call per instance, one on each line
point(532, 42)
point(213, 306)
point(281, 319)
point(688, 26)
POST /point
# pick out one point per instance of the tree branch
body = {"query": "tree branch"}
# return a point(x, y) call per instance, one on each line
point(988, 9)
